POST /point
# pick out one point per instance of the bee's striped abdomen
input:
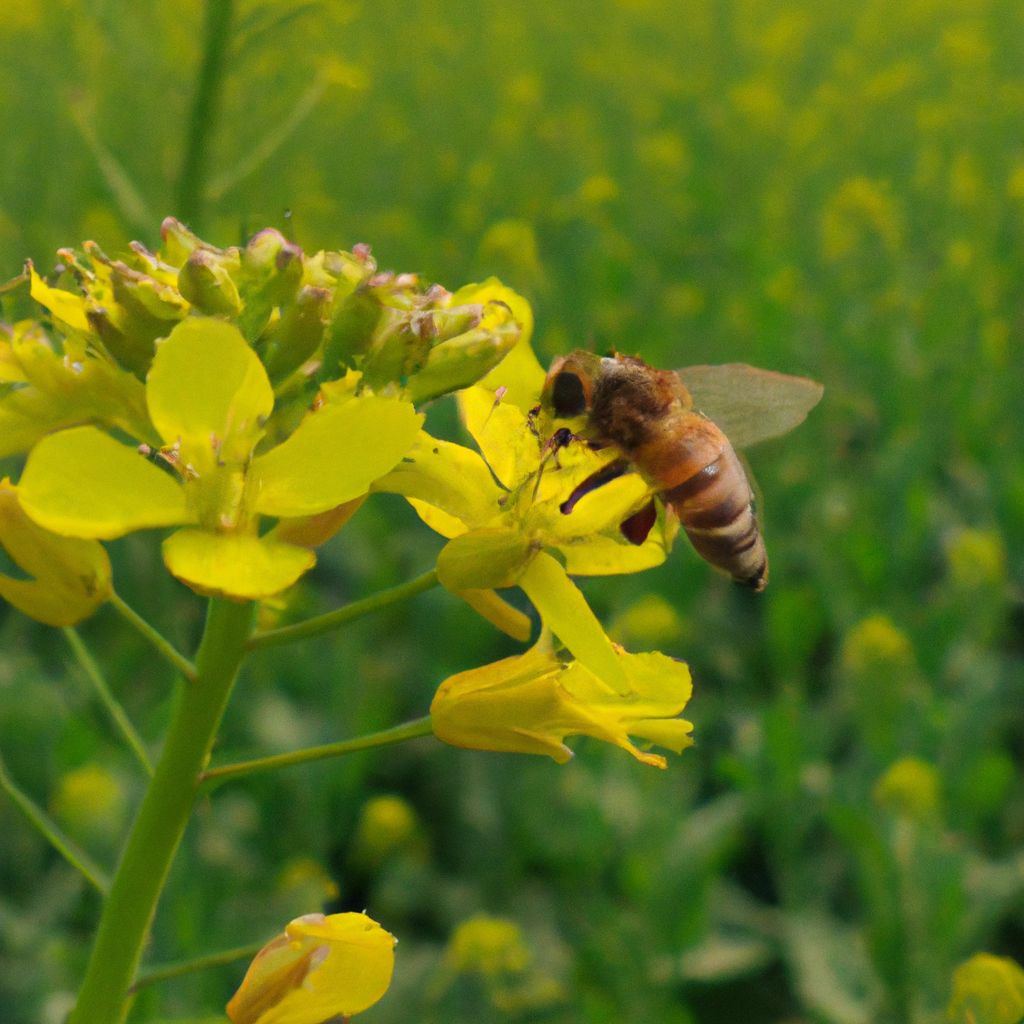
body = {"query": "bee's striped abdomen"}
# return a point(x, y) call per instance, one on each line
point(715, 508)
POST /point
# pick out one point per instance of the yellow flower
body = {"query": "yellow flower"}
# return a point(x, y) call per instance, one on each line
point(530, 702)
point(507, 499)
point(66, 579)
point(209, 397)
point(502, 507)
point(319, 969)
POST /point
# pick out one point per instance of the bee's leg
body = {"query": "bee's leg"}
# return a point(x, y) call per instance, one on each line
point(531, 420)
point(560, 439)
point(636, 528)
point(603, 476)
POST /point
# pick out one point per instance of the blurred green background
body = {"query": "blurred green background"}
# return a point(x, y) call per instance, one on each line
point(828, 189)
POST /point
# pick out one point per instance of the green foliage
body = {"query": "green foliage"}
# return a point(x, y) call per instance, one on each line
point(836, 190)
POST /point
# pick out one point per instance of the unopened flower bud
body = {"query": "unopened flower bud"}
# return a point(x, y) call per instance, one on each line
point(350, 332)
point(297, 335)
point(461, 361)
point(205, 281)
point(178, 242)
point(271, 272)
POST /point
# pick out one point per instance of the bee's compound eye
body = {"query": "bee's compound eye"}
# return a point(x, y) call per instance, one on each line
point(567, 395)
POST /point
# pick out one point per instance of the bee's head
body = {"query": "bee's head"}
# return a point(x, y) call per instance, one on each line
point(569, 387)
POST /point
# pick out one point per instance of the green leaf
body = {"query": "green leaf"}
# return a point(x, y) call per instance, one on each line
point(83, 483)
point(833, 975)
point(334, 455)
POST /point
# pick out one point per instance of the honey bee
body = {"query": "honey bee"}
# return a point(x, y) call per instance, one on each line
point(678, 430)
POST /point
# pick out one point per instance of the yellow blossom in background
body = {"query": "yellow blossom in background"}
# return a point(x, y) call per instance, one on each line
point(860, 211)
point(987, 989)
point(487, 945)
point(304, 880)
point(319, 969)
point(90, 800)
point(977, 558)
point(910, 788)
point(876, 642)
point(387, 825)
point(651, 619)
point(494, 952)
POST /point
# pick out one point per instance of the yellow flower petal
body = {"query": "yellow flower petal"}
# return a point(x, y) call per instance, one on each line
point(499, 613)
point(513, 705)
point(312, 531)
point(439, 521)
point(319, 969)
point(659, 687)
point(334, 455)
point(83, 483)
point(68, 308)
point(70, 578)
point(447, 476)
point(502, 433)
point(234, 565)
point(208, 390)
point(63, 390)
point(566, 612)
point(602, 555)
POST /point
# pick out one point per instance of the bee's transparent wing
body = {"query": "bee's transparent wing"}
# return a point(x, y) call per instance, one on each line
point(750, 405)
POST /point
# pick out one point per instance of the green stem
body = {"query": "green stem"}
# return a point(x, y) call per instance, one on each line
point(76, 857)
point(341, 616)
point(162, 817)
point(160, 644)
point(205, 104)
point(202, 963)
point(109, 701)
point(384, 738)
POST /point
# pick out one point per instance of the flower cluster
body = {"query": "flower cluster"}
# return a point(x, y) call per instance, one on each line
point(259, 383)
point(249, 399)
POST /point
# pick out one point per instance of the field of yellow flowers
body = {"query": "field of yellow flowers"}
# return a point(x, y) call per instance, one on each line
point(830, 190)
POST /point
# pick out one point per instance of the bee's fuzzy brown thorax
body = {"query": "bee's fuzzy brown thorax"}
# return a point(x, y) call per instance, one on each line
point(630, 400)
